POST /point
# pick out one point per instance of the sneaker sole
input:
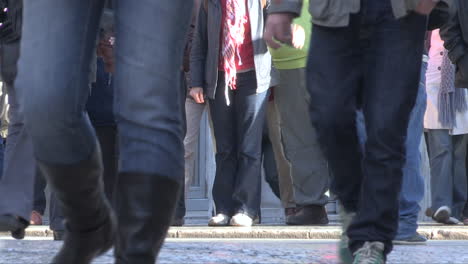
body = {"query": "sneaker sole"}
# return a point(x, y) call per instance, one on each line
point(442, 215)
point(408, 243)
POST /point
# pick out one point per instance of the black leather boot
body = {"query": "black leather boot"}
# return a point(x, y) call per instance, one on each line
point(145, 205)
point(15, 225)
point(90, 224)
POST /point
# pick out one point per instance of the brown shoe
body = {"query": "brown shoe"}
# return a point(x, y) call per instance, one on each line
point(465, 220)
point(308, 215)
point(36, 218)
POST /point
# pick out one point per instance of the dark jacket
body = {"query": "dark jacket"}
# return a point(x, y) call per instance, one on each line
point(336, 13)
point(206, 46)
point(455, 36)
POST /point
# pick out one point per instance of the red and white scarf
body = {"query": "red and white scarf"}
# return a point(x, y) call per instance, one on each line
point(235, 18)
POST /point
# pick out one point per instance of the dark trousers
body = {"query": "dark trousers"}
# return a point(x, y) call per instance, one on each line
point(39, 202)
point(238, 129)
point(180, 207)
point(376, 60)
point(269, 164)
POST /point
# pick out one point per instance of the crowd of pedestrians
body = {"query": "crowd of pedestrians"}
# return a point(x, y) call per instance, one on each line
point(103, 111)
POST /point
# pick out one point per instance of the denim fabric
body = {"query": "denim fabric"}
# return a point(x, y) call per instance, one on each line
point(100, 105)
point(376, 62)
point(447, 154)
point(19, 170)
point(40, 201)
point(2, 155)
point(150, 42)
point(412, 189)
point(238, 130)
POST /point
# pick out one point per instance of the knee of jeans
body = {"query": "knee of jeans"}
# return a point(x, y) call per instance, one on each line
point(332, 121)
point(42, 114)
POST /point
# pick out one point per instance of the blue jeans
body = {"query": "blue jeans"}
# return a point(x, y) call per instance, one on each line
point(53, 81)
point(356, 67)
point(412, 189)
point(2, 155)
point(238, 129)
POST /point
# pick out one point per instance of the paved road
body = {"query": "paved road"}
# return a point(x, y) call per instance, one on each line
point(39, 251)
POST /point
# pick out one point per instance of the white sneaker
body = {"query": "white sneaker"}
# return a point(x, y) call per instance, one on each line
point(241, 220)
point(219, 220)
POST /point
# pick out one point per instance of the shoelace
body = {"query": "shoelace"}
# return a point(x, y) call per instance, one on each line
point(368, 254)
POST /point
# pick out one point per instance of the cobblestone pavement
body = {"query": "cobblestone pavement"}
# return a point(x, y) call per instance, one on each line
point(39, 251)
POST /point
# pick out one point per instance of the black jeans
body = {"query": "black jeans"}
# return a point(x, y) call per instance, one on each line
point(376, 60)
point(238, 130)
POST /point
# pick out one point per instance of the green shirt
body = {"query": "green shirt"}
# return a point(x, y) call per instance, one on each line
point(286, 57)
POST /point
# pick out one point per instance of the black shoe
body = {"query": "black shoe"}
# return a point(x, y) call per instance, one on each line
point(82, 247)
point(59, 235)
point(15, 225)
point(178, 221)
point(308, 215)
point(442, 215)
point(416, 239)
point(90, 224)
point(145, 207)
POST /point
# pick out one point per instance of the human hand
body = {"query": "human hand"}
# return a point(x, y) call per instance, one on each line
point(278, 30)
point(298, 36)
point(425, 7)
point(197, 95)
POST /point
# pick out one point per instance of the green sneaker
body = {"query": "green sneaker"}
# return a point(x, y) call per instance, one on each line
point(343, 250)
point(370, 253)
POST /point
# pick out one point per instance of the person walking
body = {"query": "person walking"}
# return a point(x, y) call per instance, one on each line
point(231, 66)
point(149, 51)
point(350, 64)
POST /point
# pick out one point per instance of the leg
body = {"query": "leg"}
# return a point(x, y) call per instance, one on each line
point(39, 203)
point(107, 136)
point(308, 165)
point(412, 190)
point(56, 218)
point(66, 147)
point(386, 106)
point(193, 113)
point(226, 152)
point(19, 166)
point(459, 174)
point(269, 164)
point(250, 110)
point(283, 165)
point(151, 37)
point(441, 161)
point(333, 82)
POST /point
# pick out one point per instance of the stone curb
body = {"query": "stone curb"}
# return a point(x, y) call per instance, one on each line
point(275, 232)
